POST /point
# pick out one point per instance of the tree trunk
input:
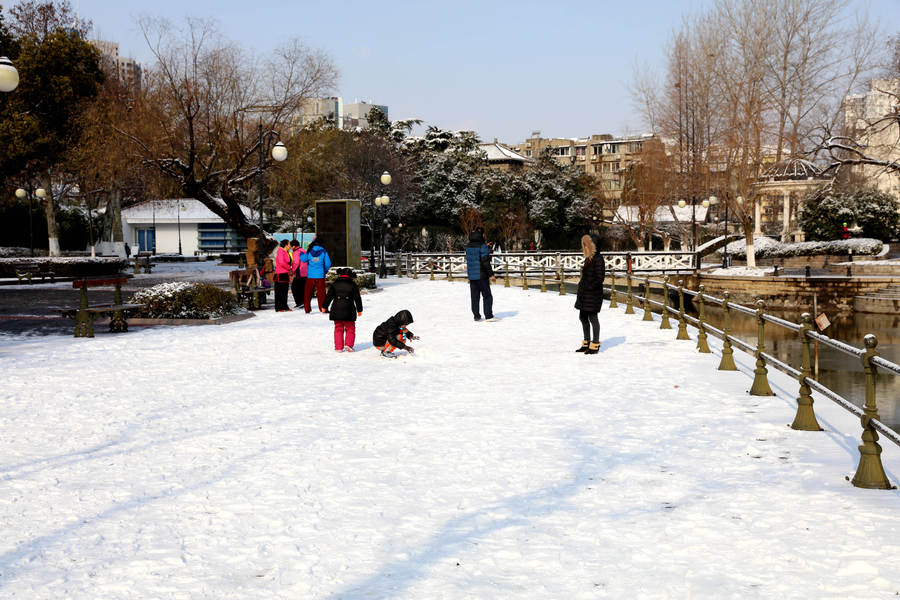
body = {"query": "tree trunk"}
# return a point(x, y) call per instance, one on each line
point(52, 227)
point(751, 250)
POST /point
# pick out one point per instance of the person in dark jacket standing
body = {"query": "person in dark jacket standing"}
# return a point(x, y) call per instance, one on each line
point(298, 281)
point(393, 333)
point(318, 262)
point(478, 268)
point(589, 298)
point(346, 304)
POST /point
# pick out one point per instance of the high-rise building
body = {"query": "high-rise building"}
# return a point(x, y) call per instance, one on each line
point(333, 110)
point(127, 69)
point(357, 114)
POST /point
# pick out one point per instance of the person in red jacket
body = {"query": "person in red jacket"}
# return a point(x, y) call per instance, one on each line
point(282, 276)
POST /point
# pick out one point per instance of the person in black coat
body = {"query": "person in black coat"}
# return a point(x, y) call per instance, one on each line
point(589, 298)
point(346, 304)
point(393, 333)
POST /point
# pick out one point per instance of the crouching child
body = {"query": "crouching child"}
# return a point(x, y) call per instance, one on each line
point(393, 334)
point(346, 304)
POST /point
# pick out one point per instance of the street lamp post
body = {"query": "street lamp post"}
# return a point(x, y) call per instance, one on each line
point(9, 77)
point(21, 194)
point(153, 210)
point(379, 202)
point(279, 153)
point(178, 216)
point(682, 204)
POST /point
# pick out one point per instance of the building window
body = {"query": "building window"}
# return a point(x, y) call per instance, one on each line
point(219, 237)
point(597, 150)
point(528, 153)
point(561, 151)
point(579, 150)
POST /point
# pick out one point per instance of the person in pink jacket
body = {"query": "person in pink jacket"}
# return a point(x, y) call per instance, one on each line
point(283, 269)
point(299, 282)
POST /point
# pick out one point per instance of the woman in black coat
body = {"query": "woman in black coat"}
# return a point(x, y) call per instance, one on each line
point(589, 298)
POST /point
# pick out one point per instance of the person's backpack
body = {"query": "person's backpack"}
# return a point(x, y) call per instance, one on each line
point(487, 270)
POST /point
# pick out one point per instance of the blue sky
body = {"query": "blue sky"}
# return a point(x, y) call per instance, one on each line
point(501, 68)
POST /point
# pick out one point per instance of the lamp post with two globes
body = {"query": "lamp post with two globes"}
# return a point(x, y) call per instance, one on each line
point(380, 201)
point(21, 194)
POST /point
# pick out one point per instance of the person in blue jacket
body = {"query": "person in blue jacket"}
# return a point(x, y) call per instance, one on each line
point(478, 267)
point(318, 262)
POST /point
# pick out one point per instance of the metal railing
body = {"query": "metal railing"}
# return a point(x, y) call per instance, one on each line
point(870, 471)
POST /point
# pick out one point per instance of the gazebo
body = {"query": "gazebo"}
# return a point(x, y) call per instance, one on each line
point(785, 185)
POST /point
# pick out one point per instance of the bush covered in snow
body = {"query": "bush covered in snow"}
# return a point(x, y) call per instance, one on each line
point(765, 247)
point(363, 279)
point(65, 266)
point(873, 212)
point(184, 300)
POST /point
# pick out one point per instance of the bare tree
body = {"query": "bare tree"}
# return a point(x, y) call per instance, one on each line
point(203, 101)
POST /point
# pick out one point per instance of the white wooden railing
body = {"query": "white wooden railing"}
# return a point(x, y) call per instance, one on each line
point(514, 264)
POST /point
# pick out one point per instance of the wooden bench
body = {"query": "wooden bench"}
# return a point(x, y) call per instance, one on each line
point(245, 283)
point(28, 272)
point(85, 314)
point(143, 259)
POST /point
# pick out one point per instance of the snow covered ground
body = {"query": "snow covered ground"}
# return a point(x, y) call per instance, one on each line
point(251, 461)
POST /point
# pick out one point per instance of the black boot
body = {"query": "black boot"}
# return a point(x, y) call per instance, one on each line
point(584, 346)
point(593, 348)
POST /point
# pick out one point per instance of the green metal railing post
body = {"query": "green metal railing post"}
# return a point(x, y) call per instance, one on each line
point(805, 419)
point(612, 291)
point(629, 299)
point(760, 385)
point(648, 316)
point(870, 472)
point(84, 324)
point(682, 323)
point(562, 275)
point(543, 278)
point(117, 323)
point(664, 323)
point(702, 345)
point(727, 362)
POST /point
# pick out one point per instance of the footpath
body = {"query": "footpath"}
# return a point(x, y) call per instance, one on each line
point(252, 461)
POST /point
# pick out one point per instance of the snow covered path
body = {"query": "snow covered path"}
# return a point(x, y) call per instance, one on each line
point(251, 461)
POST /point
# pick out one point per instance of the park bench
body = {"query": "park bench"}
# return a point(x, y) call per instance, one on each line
point(29, 272)
point(245, 283)
point(143, 259)
point(85, 314)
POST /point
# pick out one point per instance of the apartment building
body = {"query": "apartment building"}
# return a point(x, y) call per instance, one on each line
point(127, 69)
point(344, 116)
point(602, 155)
point(879, 139)
point(356, 114)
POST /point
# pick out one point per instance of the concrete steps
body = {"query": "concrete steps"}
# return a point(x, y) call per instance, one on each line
point(883, 302)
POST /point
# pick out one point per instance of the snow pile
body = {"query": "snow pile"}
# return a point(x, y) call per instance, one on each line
point(742, 271)
point(185, 300)
point(766, 247)
point(251, 461)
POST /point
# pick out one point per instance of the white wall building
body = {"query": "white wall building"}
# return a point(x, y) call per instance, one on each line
point(164, 226)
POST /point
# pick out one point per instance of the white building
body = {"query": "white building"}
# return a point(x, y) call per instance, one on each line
point(127, 69)
point(182, 226)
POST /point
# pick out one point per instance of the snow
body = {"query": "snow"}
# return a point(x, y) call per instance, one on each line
point(251, 461)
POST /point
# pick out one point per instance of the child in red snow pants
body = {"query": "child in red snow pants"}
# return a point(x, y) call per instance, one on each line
point(344, 335)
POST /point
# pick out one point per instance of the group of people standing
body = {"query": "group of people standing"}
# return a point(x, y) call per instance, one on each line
point(305, 271)
point(301, 271)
